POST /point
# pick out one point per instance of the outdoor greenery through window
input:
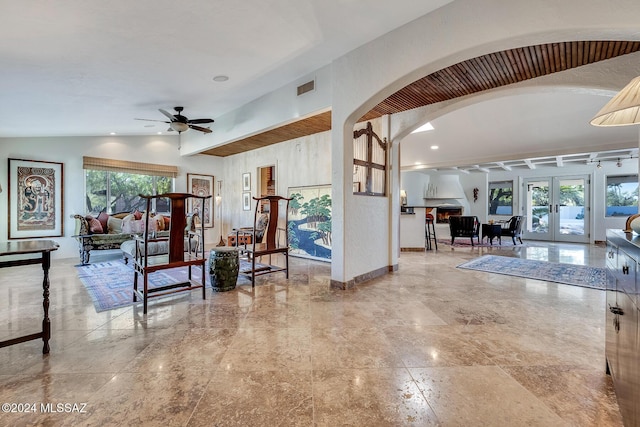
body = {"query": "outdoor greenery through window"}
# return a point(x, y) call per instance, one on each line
point(114, 186)
point(501, 198)
point(119, 191)
point(622, 195)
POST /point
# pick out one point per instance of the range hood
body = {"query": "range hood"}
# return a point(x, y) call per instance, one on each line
point(444, 187)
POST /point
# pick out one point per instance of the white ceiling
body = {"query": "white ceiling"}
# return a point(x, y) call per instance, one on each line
point(543, 128)
point(89, 68)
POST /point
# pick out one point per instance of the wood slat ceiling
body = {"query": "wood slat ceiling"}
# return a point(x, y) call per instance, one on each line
point(471, 76)
point(309, 126)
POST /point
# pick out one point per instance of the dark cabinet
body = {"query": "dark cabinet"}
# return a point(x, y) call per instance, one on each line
point(622, 322)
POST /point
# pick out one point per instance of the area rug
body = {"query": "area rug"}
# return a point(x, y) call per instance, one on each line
point(568, 274)
point(110, 284)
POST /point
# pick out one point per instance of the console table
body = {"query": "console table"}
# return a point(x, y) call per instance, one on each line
point(42, 249)
point(490, 231)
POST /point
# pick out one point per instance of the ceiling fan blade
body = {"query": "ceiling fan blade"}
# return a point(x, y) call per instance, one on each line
point(200, 121)
point(168, 114)
point(201, 129)
point(169, 130)
point(151, 120)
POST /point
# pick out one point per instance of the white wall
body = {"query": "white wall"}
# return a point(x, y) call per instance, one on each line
point(69, 151)
point(299, 162)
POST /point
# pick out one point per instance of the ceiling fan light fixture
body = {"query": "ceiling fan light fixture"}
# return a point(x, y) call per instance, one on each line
point(623, 109)
point(178, 126)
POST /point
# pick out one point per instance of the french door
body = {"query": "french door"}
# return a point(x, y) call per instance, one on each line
point(557, 208)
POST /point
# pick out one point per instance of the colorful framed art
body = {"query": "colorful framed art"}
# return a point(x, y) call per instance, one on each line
point(36, 199)
point(201, 185)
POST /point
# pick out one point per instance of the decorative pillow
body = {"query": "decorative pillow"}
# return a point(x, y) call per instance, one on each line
point(94, 225)
point(114, 225)
point(137, 214)
point(159, 219)
point(103, 217)
point(135, 226)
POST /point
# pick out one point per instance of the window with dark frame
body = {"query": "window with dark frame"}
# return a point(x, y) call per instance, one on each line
point(622, 195)
point(369, 162)
point(501, 198)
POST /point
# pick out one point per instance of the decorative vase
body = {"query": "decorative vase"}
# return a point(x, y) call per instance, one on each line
point(224, 264)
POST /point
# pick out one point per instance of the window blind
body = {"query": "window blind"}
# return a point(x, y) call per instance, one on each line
point(97, 163)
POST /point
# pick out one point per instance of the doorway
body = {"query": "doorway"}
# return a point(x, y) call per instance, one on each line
point(266, 184)
point(557, 209)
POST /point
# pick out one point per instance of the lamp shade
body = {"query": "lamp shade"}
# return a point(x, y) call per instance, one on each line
point(623, 109)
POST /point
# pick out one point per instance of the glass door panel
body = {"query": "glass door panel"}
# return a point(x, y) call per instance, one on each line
point(556, 209)
point(537, 209)
point(572, 225)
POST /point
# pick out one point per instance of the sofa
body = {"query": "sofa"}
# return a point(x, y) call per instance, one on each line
point(106, 232)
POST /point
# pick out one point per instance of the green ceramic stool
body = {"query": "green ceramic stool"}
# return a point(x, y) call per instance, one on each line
point(224, 264)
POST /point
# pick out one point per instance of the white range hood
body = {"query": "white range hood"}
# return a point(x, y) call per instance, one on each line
point(444, 190)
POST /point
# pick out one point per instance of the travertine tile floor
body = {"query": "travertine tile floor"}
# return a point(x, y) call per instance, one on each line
point(427, 345)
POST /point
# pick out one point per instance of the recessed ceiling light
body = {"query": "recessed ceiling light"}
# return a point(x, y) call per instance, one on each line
point(112, 133)
point(425, 127)
point(434, 147)
point(159, 133)
point(221, 78)
point(418, 163)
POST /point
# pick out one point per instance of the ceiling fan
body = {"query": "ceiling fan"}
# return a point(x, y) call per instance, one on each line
point(180, 123)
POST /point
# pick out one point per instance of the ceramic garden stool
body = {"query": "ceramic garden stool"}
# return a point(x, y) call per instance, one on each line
point(224, 264)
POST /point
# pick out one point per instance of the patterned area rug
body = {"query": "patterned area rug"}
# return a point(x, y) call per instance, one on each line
point(110, 284)
point(568, 274)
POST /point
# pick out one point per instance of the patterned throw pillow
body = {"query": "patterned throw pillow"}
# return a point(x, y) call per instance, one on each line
point(137, 214)
point(94, 225)
point(103, 217)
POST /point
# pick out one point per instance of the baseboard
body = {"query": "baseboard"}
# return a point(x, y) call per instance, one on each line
point(412, 249)
point(336, 284)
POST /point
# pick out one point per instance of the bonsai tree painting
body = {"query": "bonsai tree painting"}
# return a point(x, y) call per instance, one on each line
point(310, 222)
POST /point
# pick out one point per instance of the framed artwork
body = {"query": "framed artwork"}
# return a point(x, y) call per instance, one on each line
point(310, 222)
point(246, 181)
point(35, 199)
point(246, 201)
point(201, 185)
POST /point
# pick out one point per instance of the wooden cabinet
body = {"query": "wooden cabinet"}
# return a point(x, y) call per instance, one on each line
point(622, 321)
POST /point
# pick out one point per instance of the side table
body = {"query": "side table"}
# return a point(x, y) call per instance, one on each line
point(490, 231)
point(42, 249)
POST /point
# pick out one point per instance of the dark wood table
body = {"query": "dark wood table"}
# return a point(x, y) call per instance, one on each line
point(491, 231)
point(42, 250)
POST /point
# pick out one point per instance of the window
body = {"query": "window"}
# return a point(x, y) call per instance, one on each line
point(115, 186)
point(622, 195)
point(501, 198)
